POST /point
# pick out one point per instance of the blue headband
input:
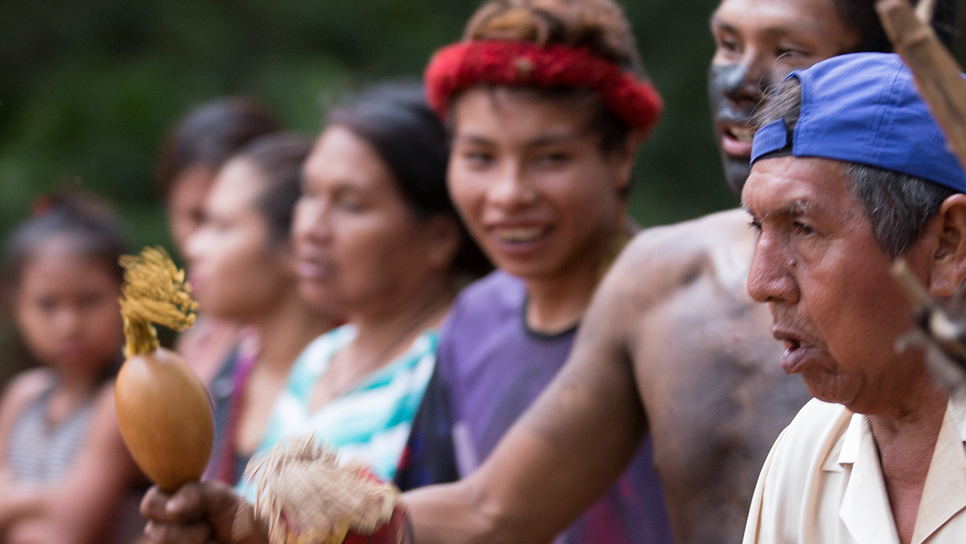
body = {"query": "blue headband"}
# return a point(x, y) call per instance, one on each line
point(863, 108)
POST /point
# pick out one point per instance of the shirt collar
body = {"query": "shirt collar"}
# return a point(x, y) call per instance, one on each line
point(944, 494)
point(852, 440)
point(849, 445)
point(957, 410)
point(846, 449)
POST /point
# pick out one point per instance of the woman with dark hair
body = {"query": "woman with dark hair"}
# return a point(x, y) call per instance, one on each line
point(190, 158)
point(242, 268)
point(378, 241)
point(548, 103)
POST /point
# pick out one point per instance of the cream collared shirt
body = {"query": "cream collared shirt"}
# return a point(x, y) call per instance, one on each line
point(822, 483)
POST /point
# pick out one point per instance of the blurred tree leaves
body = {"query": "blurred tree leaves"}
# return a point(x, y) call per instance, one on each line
point(89, 88)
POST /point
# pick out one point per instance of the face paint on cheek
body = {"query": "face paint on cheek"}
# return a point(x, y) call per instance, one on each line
point(730, 112)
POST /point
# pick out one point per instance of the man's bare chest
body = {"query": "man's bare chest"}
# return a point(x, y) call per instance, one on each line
point(708, 373)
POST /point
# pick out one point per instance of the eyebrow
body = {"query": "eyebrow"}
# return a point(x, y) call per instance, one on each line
point(792, 209)
point(548, 139)
point(472, 138)
point(771, 31)
point(551, 139)
point(714, 22)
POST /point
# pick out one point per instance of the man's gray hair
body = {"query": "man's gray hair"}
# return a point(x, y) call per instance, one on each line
point(897, 205)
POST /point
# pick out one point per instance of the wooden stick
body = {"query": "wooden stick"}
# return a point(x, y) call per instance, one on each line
point(933, 67)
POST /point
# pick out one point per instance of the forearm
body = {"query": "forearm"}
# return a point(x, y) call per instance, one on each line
point(454, 513)
point(45, 511)
point(19, 504)
point(526, 492)
point(550, 466)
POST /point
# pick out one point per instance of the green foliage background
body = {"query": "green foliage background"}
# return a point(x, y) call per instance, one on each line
point(89, 88)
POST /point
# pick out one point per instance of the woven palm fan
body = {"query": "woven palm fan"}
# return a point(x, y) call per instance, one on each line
point(305, 496)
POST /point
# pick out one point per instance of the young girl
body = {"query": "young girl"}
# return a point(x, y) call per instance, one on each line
point(64, 470)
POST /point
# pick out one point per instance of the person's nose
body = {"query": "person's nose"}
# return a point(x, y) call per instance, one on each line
point(313, 221)
point(68, 321)
point(745, 83)
point(772, 275)
point(511, 190)
point(194, 247)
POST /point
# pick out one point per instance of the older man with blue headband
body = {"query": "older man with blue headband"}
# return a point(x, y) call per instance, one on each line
point(849, 172)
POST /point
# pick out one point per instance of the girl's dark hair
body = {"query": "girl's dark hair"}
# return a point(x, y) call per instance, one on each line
point(280, 158)
point(209, 135)
point(87, 222)
point(399, 125)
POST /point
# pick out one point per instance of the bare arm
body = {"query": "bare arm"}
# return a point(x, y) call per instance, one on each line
point(564, 452)
point(17, 502)
point(80, 510)
point(98, 481)
point(561, 456)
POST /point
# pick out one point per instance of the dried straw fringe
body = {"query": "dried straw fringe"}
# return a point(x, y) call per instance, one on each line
point(306, 497)
point(154, 292)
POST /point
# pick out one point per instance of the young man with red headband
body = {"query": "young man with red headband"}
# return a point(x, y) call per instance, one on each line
point(544, 136)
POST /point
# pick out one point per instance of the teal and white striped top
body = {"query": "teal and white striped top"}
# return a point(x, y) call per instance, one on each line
point(369, 424)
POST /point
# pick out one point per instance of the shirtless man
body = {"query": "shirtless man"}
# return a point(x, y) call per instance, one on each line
point(672, 343)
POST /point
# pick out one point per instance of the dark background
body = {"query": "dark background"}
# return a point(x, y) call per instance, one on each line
point(88, 89)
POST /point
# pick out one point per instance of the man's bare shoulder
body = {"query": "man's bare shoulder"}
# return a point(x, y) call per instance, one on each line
point(660, 259)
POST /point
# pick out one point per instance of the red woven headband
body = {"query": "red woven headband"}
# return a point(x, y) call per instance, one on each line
point(466, 64)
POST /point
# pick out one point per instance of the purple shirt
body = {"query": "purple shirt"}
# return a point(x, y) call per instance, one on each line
point(493, 368)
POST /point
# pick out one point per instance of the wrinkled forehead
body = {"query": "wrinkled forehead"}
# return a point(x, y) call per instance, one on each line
point(788, 184)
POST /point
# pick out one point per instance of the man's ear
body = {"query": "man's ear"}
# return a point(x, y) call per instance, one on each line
point(625, 157)
point(444, 240)
point(949, 258)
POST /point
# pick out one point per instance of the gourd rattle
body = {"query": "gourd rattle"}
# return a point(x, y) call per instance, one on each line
point(163, 409)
